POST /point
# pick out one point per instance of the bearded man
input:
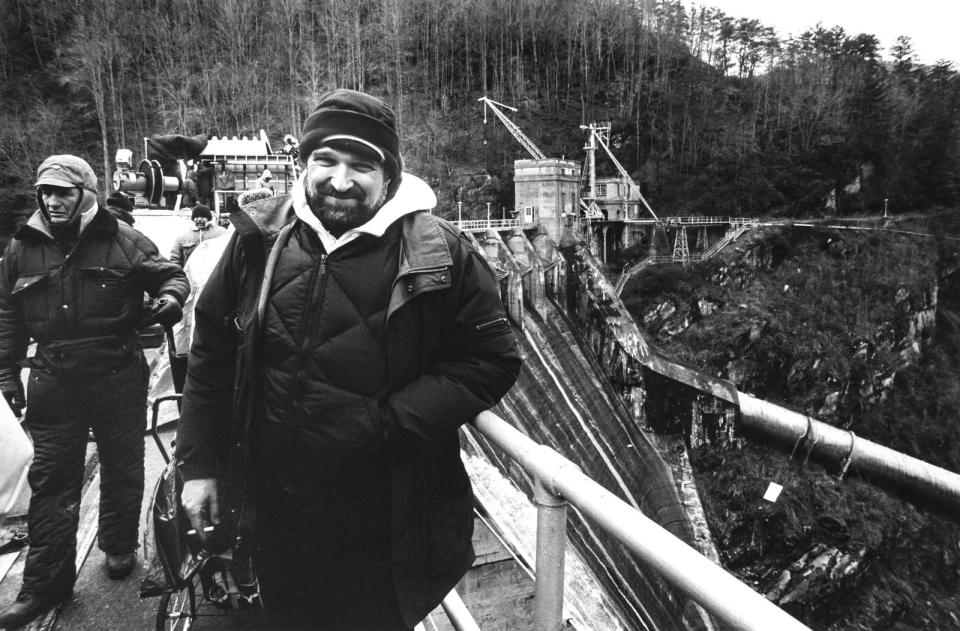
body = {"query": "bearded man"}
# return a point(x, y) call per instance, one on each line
point(342, 340)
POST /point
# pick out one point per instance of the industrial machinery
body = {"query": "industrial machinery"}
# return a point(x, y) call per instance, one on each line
point(221, 169)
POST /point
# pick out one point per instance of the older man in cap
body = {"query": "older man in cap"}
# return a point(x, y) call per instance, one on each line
point(73, 279)
point(351, 332)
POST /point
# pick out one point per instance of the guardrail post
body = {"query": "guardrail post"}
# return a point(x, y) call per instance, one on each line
point(551, 541)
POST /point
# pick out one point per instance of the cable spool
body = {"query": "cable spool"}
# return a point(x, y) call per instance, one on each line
point(148, 180)
point(154, 184)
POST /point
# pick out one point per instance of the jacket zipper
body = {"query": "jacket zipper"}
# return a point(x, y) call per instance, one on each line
point(318, 287)
point(486, 325)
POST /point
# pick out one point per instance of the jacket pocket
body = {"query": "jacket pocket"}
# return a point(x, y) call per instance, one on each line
point(33, 300)
point(103, 291)
point(491, 326)
point(492, 333)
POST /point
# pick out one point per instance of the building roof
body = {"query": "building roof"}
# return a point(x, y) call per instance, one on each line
point(236, 147)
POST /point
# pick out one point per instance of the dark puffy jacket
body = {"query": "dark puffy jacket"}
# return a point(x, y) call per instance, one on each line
point(94, 291)
point(450, 354)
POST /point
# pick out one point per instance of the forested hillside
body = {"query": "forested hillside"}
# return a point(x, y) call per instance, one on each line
point(712, 113)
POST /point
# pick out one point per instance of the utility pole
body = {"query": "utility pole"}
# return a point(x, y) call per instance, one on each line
point(600, 136)
point(459, 211)
point(591, 149)
point(488, 214)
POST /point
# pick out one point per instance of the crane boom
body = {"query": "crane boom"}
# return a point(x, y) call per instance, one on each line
point(623, 171)
point(517, 133)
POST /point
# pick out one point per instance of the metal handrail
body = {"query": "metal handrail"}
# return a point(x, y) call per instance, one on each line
point(457, 613)
point(558, 481)
point(483, 224)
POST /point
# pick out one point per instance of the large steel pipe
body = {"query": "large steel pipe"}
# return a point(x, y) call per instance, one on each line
point(770, 423)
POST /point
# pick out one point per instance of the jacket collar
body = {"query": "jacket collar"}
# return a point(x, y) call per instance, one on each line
point(95, 220)
point(424, 253)
point(264, 216)
point(423, 246)
point(412, 195)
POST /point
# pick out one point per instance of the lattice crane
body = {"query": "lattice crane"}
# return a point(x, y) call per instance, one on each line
point(600, 134)
point(521, 137)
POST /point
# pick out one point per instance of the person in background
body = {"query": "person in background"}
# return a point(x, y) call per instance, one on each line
point(205, 175)
point(120, 206)
point(224, 180)
point(265, 181)
point(203, 229)
point(377, 331)
point(73, 279)
point(190, 193)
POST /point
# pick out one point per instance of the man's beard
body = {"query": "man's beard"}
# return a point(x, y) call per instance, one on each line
point(340, 212)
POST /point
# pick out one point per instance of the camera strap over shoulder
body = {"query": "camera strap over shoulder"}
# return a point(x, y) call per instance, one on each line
point(269, 268)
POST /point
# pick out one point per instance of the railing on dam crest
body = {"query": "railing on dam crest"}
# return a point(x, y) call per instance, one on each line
point(558, 482)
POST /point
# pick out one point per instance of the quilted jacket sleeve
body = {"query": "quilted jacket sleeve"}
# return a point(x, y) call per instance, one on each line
point(479, 363)
point(159, 275)
point(13, 333)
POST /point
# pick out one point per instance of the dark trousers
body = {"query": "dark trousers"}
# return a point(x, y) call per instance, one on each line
point(62, 407)
point(323, 553)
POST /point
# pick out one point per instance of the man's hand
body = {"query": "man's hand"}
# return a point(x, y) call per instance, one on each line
point(166, 311)
point(199, 499)
point(12, 389)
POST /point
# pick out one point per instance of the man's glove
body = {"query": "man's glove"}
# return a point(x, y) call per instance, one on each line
point(12, 389)
point(166, 311)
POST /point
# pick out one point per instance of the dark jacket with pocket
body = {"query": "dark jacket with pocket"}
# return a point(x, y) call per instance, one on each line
point(448, 353)
point(93, 291)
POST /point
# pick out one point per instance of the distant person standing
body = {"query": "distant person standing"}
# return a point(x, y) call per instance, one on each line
point(73, 279)
point(120, 206)
point(204, 179)
point(265, 181)
point(203, 229)
point(224, 180)
point(190, 193)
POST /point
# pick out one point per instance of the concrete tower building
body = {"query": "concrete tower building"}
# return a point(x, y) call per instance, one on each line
point(547, 191)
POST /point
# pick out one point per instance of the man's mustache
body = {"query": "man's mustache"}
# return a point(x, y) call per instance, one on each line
point(328, 191)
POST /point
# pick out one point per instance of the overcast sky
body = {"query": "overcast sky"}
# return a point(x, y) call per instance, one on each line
point(932, 25)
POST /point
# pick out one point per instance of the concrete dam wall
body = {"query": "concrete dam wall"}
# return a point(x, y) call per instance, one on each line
point(573, 341)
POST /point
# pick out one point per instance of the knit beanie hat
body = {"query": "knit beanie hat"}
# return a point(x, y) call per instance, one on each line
point(201, 210)
point(348, 115)
point(120, 200)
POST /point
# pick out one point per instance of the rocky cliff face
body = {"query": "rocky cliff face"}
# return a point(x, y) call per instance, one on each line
point(879, 341)
point(849, 328)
